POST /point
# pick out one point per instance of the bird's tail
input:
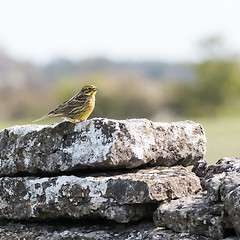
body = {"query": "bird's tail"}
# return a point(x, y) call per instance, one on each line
point(42, 118)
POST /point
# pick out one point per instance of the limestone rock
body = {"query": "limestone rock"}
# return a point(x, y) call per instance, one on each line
point(223, 165)
point(195, 214)
point(122, 198)
point(222, 183)
point(200, 168)
point(229, 183)
point(212, 185)
point(230, 195)
point(232, 205)
point(224, 170)
point(99, 143)
point(95, 231)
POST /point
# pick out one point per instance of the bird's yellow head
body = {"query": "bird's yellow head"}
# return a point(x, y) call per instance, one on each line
point(89, 90)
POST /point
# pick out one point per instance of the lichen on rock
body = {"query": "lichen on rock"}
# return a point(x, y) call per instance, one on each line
point(99, 143)
point(104, 169)
point(122, 198)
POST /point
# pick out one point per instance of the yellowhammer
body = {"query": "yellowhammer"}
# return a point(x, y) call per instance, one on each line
point(78, 108)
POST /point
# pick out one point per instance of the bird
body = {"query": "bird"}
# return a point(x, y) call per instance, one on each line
point(78, 108)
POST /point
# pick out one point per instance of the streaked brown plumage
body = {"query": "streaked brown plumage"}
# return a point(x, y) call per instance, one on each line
point(78, 108)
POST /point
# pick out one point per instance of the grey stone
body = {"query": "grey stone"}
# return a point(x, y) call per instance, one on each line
point(212, 185)
point(216, 174)
point(227, 164)
point(195, 214)
point(200, 168)
point(230, 195)
point(122, 198)
point(232, 205)
point(99, 143)
point(222, 183)
point(229, 183)
point(85, 231)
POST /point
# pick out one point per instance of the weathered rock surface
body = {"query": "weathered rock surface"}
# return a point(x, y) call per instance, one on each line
point(230, 195)
point(223, 185)
point(99, 143)
point(200, 168)
point(195, 214)
point(145, 230)
point(228, 184)
point(227, 164)
point(232, 205)
point(122, 198)
point(222, 177)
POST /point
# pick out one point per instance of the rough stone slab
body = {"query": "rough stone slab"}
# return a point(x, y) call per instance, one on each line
point(212, 185)
point(232, 205)
point(227, 164)
point(122, 198)
point(222, 182)
point(109, 231)
point(228, 184)
point(194, 214)
point(99, 143)
point(230, 195)
point(221, 177)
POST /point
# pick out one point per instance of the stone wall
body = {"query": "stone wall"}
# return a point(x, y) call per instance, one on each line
point(109, 179)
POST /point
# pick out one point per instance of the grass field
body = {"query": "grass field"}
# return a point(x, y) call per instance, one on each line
point(223, 136)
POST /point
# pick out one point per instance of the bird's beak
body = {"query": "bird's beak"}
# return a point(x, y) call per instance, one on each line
point(95, 89)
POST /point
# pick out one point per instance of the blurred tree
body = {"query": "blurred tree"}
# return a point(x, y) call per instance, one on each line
point(216, 89)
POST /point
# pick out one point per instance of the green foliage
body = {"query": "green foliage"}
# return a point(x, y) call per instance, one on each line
point(215, 91)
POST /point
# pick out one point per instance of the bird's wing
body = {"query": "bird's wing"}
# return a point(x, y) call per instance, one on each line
point(76, 101)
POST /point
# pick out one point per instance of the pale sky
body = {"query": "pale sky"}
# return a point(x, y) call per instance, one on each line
point(168, 30)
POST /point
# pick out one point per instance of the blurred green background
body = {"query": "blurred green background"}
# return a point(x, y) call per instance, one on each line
point(207, 92)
